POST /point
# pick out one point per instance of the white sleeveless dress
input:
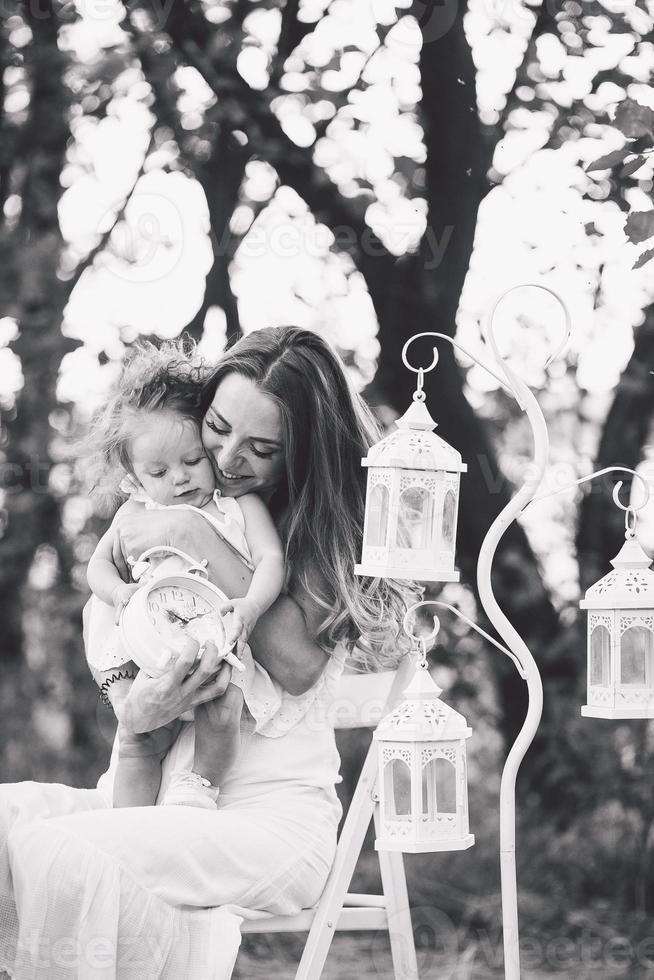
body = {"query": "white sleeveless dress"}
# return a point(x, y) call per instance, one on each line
point(88, 892)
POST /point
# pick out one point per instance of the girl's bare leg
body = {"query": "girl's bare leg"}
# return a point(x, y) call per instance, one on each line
point(218, 735)
point(138, 775)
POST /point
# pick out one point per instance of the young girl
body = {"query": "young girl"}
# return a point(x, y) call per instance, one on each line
point(147, 445)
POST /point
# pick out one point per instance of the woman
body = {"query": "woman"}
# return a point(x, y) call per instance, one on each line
point(155, 892)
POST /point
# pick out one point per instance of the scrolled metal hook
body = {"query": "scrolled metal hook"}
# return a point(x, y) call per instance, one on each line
point(511, 382)
point(422, 371)
point(419, 370)
point(457, 612)
point(630, 507)
point(616, 489)
point(513, 379)
point(420, 639)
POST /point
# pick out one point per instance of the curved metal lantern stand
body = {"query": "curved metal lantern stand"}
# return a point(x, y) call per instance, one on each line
point(518, 650)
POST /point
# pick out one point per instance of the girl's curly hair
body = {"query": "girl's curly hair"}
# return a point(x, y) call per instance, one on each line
point(155, 378)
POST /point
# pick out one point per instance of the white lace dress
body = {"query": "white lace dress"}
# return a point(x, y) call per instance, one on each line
point(88, 892)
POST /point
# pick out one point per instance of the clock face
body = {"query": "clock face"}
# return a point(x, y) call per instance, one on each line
point(180, 609)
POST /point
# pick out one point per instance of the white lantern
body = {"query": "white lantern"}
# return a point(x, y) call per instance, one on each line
point(621, 638)
point(423, 787)
point(412, 502)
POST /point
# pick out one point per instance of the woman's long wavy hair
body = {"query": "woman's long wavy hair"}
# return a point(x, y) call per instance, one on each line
point(319, 507)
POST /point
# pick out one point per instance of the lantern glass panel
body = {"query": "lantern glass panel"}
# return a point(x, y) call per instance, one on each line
point(415, 517)
point(600, 650)
point(428, 789)
point(377, 528)
point(445, 774)
point(397, 777)
point(635, 652)
point(449, 516)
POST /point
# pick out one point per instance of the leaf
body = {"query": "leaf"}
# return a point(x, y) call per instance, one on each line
point(633, 165)
point(634, 119)
point(639, 226)
point(642, 259)
point(609, 160)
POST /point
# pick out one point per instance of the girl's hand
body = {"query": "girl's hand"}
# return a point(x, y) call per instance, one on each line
point(121, 596)
point(245, 614)
point(155, 701)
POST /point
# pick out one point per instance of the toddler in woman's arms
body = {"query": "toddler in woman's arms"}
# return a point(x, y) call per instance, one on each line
point(147, 446)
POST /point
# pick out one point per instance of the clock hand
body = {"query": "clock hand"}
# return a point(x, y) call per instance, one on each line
point(174, 617)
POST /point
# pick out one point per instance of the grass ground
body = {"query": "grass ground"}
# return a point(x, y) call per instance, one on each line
point(367, 957)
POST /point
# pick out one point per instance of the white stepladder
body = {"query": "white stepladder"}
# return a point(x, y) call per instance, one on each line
point(363, 700)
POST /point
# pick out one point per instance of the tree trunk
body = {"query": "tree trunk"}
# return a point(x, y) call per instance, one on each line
point(221, 179)
point(32, 512)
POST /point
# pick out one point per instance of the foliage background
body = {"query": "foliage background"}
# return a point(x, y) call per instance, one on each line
point(368, 169)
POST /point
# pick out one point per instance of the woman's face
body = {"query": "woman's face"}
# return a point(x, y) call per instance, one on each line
point(242, 434)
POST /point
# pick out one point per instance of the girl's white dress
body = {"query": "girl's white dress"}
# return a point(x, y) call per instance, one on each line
point(88, 892)
point(262, 696)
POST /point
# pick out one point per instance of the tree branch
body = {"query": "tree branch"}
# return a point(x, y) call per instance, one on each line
point(104, 240)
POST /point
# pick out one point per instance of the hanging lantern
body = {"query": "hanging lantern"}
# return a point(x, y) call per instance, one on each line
point(423, 788)
point(621, 637)
point(412, 502)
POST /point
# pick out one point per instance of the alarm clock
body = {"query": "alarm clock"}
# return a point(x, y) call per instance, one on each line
point(175, 600)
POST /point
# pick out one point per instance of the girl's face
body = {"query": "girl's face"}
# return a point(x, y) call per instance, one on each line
point(169, 461)
point(242, 433)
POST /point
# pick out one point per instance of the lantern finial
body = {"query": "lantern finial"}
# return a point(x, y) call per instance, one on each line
point(422, 686)
point(631, 554)
point(416, 417)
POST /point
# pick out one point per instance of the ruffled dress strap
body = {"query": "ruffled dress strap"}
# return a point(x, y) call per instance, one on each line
point(294, 707)
point(229, 522)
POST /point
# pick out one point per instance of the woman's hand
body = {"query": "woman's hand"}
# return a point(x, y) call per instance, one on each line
point(155, 701)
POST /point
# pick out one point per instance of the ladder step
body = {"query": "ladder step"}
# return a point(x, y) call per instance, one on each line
point(372, 901)
point(351, 919)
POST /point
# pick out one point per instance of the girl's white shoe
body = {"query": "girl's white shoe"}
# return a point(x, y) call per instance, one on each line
point(188, 788)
